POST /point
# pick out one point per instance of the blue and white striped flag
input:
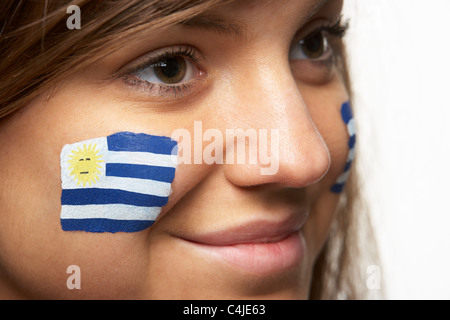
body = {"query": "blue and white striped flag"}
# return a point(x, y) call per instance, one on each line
point(117, 183)
point(347, 117)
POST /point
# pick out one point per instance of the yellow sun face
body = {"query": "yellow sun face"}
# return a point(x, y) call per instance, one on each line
point(84, 164)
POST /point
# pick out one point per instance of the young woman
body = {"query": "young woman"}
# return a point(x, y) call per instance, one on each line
point(175, 79)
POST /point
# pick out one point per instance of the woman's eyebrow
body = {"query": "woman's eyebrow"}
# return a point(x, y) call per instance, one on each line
point(217, 24)
point(316, 8)
point(224, 25)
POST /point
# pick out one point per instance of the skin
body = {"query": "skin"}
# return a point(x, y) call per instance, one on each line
point(245, 82)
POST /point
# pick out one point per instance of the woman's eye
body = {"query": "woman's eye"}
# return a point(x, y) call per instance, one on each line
point(314, 47)
point(164, 72)
point(170, 70)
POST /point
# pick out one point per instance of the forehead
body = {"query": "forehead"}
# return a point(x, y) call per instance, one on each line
point(235, 17)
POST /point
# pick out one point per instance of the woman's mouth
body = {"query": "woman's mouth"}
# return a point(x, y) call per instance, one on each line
point(257, 247)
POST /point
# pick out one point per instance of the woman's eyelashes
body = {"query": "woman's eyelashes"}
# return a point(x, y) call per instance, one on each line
point(312, 58)
point(316, 46)
point(168, 71)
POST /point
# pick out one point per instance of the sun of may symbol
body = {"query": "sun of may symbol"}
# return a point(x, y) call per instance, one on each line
point(85, 163)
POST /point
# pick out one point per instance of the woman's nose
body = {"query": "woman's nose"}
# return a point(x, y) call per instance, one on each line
point(288, 147)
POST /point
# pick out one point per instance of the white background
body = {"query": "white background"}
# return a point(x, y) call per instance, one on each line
point(399, 55)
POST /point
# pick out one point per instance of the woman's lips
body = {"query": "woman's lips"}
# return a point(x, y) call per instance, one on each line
point(258, 247)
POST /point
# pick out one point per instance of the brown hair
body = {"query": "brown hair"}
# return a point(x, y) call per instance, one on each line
point(38, 46)
point(37, 51)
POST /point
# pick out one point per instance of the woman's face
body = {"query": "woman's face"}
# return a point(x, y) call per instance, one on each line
point(227, 230)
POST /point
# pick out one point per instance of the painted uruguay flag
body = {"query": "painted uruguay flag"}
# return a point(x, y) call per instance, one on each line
point(347, 117)
point(117, 183)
